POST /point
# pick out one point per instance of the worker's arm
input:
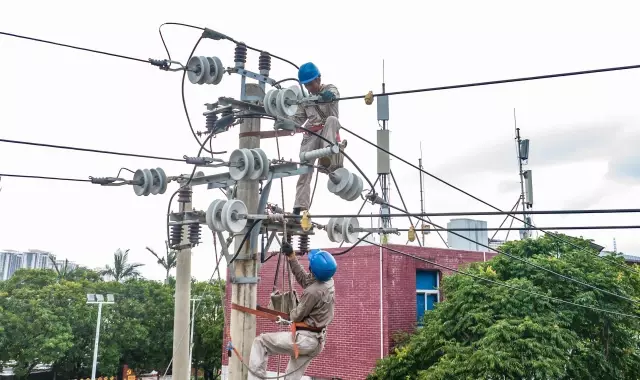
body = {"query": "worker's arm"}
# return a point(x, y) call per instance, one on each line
point(305, 305)
point(300, 117)
point(302, 277)
point(329, 92)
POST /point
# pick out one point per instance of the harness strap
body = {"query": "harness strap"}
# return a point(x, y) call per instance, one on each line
point(273, 316)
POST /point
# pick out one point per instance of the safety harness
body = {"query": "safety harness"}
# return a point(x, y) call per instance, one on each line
point(278, 317)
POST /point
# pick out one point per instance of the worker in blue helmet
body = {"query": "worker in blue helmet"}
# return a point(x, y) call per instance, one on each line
point(324, 120)
point(315, 308)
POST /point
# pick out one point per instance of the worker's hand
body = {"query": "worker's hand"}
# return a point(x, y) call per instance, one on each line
point(327, 95)
point(287, 249)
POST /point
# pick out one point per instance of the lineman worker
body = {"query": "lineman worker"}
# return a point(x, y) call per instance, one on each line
point(323, 119)
point(315, 308)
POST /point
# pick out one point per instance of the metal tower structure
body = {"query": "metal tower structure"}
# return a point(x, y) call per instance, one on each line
point(384, 163)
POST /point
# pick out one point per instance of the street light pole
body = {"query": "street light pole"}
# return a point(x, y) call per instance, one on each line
point(193, 315)
point(97, 299)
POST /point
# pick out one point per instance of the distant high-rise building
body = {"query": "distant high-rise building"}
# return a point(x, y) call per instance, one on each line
point(11, 261)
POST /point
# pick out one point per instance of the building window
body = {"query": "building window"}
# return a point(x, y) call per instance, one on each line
point(427, 294)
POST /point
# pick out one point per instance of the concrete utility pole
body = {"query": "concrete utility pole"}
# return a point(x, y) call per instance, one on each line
point(181, 368)
point(244, 289)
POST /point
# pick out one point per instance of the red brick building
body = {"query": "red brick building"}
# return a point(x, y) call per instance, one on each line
point(354, 338)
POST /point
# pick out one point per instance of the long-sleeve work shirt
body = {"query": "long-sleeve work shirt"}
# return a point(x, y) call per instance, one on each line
point(317, 302)
point(310, 111)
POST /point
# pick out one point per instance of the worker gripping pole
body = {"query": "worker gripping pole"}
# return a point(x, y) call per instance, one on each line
point(181, 366)
point(244, 291)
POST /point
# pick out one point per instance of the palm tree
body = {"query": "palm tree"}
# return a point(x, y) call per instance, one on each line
point(64, 271)
point(121, 270)
point(168, 262)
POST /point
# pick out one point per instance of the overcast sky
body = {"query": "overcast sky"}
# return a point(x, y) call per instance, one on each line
point(583, 130)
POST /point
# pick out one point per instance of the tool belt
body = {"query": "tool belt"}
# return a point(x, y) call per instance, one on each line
point(273, 316)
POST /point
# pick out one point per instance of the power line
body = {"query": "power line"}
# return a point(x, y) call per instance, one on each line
point(493, 213)
point(537, 266)
point(501, 81)
point(91, 150)
point(459, 189)
point(43, 177)
point(147, 61)
point(501, 283)
point(628, 227)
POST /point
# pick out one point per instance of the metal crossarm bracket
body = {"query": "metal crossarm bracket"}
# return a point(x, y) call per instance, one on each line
point(250, 74)
point(279, 170)
point(239, 104)
point(244, 280)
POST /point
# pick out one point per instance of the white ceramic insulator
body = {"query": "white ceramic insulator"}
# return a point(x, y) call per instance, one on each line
point(317, 153)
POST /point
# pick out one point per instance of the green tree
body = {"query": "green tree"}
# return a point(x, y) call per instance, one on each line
point(33, 332)
point(168, 261)
point(122, 269)
point(208, 327)
point(487, 331)
point(63, 271)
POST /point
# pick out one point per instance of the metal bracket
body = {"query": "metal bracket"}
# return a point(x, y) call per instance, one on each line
point(265, 249)
point(244, 280)
point(241, 105)
point(267, 134)
point(280, 170)
point(250, 74)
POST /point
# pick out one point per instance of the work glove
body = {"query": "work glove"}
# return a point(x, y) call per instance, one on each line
point(327, 95)
point(287, 249)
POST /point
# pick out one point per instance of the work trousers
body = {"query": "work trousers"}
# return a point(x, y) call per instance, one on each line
point(310, 345)
point(312, 142)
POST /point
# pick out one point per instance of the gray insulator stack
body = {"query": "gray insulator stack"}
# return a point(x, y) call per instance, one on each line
point(345, 184)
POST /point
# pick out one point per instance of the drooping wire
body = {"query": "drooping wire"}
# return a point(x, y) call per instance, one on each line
point(555, 236)
point(43, 177)
point(174, 23)
point(488, 83)
point(537, 266)
point(75, 47)
point(501, 283)
point(244, 239)
point(90, 150)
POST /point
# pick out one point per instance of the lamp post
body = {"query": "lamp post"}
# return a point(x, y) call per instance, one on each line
point(193, 314)
point(97, 299)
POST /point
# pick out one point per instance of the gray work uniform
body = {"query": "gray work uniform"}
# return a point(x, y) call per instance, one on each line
point(316, 308)
point(329, 117)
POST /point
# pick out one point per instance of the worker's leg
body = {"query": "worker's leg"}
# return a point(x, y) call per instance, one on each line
point(281, 343)
point(303, 187)
point(265, 345)
point(330, 132)
point(309, 346)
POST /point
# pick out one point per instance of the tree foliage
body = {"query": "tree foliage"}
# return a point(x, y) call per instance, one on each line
point(44, 319)
point(487, 331)
point(122, 269)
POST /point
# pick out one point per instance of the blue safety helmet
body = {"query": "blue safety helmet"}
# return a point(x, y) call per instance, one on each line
point(322, 264)
point(308, 72)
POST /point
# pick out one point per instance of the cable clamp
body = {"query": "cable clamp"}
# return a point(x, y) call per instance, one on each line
point(110, 181)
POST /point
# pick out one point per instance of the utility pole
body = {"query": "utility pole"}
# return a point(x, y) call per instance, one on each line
point(97, 299)
point(525, 179)
point(421, 194)
point(181, 366)
point(244, 291)
point(384, 169)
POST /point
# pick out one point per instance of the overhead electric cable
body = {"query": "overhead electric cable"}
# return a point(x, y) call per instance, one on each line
point(91, 150)
point(43, 177)
point(562, 228)
point(537, 266)
point(459, 189)
point(488, 83)
point(147, 61)
point(501, 283)
point(492, 213)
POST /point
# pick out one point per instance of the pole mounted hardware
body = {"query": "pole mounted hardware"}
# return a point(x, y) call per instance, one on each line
point(343, 229)
point(248, 164)
point(319, 153)
point(150, 181)
point(205, 70)
point(345, 184)
point(282, 103)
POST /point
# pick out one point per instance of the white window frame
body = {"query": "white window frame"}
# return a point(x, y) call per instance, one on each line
point(425, 292)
